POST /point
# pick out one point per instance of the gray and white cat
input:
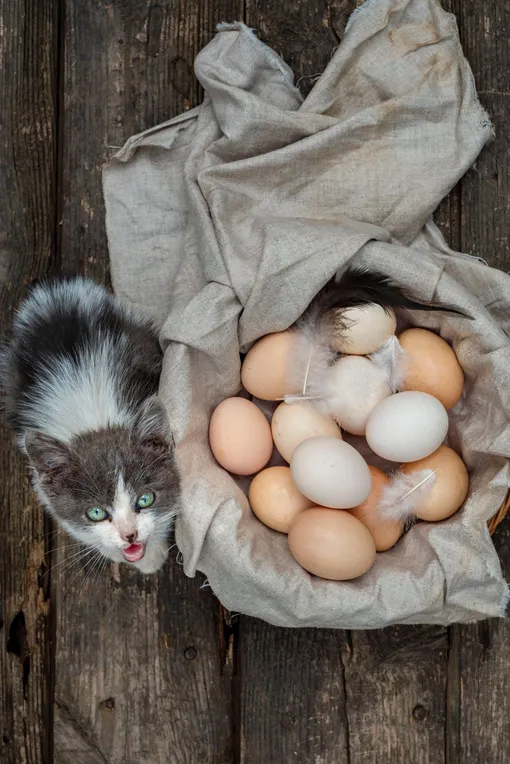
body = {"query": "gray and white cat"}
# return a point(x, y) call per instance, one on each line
point(80, 378)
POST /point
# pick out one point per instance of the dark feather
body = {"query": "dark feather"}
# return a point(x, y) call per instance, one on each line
point(360, 286)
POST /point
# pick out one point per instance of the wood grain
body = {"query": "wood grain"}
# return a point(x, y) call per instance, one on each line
point(138, 660)
point(28, 69)
point(396, 682)
point(305, 34)
point(478, 727)
point(292, 695)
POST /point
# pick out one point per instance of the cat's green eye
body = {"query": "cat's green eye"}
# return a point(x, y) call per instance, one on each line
point(145, 500)
point(97, 514)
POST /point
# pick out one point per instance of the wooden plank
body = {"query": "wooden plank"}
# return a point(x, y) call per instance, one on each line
point(395, 682)
point(292, 689)
point(139, 660)
point(478, 688)
point(389, 707)
point(27, 188)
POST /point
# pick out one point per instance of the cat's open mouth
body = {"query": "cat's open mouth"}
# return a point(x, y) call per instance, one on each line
point(134, 552)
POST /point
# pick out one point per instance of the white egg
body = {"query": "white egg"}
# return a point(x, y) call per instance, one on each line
point(361, 387)
point(407, 426)
point(331, 473)
point(363, 329)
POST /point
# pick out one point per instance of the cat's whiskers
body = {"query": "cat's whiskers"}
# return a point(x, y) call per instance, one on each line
point(91, 562)
point(76, 557)
point(96, 567)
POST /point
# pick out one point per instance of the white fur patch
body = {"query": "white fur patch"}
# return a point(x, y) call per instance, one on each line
point(76, 398)
point(79, 293)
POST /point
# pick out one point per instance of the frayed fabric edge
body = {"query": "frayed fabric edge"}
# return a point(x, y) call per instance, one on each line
point(234, 26)
point(274, 59)
point(362, 7)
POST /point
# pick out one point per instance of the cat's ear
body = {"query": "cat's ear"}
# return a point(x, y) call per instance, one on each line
point(47, 455)
point(151, 425)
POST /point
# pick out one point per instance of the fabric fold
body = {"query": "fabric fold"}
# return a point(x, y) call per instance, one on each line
point(224, 223)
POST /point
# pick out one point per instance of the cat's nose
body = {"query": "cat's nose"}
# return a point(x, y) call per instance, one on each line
point(130, 537)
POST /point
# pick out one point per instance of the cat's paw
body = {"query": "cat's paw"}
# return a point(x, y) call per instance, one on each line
point(154, 558)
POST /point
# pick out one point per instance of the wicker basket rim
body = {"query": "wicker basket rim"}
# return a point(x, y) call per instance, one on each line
point(500, 514)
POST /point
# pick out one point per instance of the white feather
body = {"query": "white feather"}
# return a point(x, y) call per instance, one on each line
point(401, 498)
point(391, 358)
point(310, 361)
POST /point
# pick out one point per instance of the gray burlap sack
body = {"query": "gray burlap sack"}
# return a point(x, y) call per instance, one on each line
point(224, 222)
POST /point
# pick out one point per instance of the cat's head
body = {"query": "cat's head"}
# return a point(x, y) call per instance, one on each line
point(115, 489)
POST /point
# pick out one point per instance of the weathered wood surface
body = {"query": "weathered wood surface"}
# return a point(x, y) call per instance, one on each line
point(27, 218)
point(151, 669)
point(479, 680)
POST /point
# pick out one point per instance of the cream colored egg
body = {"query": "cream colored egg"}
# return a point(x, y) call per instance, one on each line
point(331, 473)
point(331, 543)
point(362, 329)
point(431, 366)
point(450, 486)
point(265, 369)
point(275, 499)
point(385, 533)
point(361, 387)
point(407, 426)
point(293, 423)
point(240, 436)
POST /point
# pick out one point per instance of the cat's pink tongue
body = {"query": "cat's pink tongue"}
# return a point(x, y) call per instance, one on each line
point(134, 552)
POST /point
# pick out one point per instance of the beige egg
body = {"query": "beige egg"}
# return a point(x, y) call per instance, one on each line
point(450, 486)
point(275, 499)
point(293, 423)
point(362, 329)
point(240, 436)
point(385, 533)
point(265, 369)
point(361, 387)
point(431, 366)
point(331, 543)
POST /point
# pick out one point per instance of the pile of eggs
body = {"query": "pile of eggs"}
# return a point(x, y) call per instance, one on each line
point(337, 509)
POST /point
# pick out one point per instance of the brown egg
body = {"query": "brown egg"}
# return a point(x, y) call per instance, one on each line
point(292, 423)
point(450, 486)
point(432, 366)
point(265, 368)
point(385, 533)
point(240, 436)
point(331, 543)
point(275, 499)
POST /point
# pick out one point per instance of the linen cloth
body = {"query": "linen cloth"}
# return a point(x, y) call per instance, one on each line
point(224, 222)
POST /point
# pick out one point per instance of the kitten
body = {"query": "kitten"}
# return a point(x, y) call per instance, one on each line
point(80, 378)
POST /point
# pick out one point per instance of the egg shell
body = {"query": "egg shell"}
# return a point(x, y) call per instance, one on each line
point(450, 486)
point(431, 366)
point(385, 533)
point(361, 387)
point(275, 499)
point(240, 436)
point(407, 426)
point(265, 369)
point(331, 473)
point(362, 329)
point(293, 423)
point(331, 544)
